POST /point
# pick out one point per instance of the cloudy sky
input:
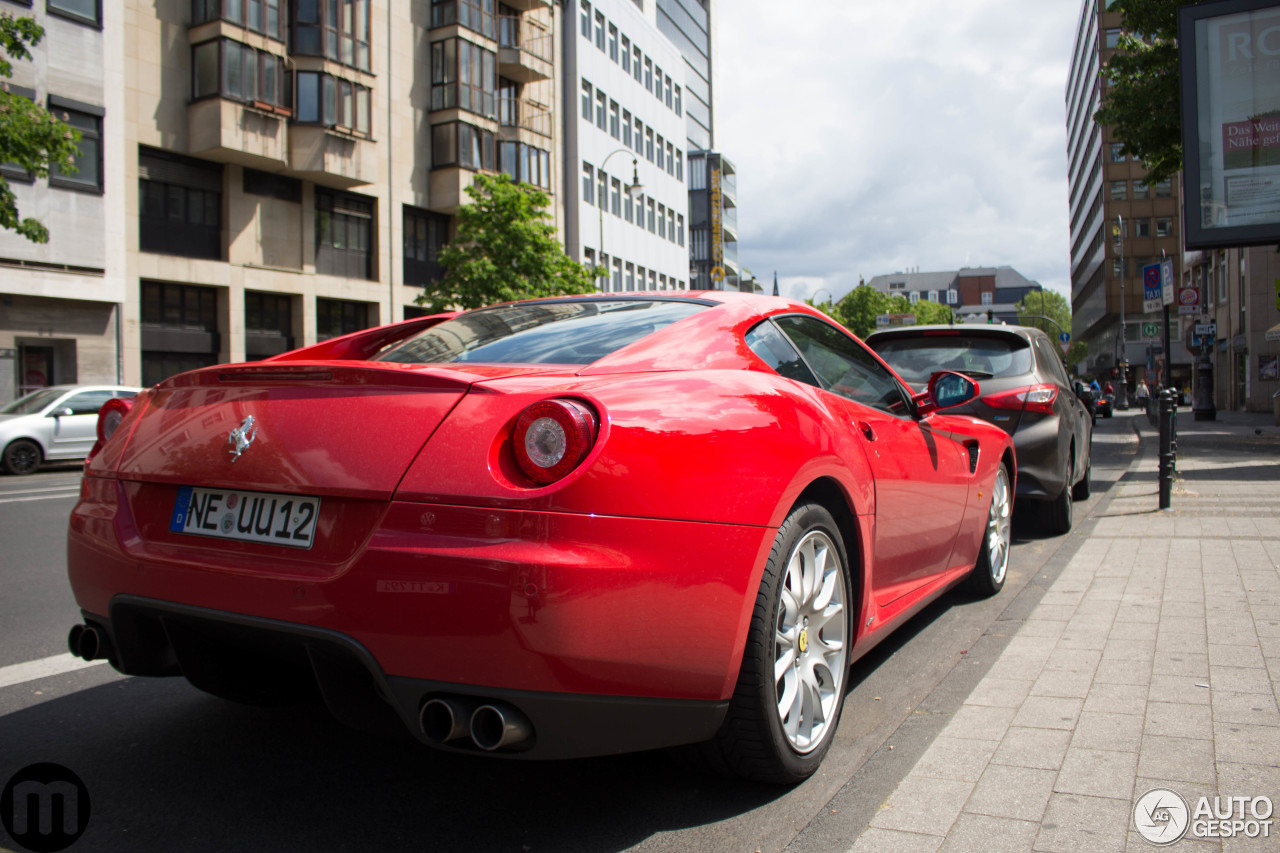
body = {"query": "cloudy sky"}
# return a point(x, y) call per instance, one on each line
point(873, 137)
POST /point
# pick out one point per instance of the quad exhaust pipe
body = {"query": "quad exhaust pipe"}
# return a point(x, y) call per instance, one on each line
point(89, 642)
point(489, 725)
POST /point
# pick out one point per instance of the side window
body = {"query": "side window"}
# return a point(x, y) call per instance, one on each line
point(88, 402)
point(844, 366)
point(776, 351)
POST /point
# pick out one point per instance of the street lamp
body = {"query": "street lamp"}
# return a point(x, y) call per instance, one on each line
point(1122, 393)
point(633, 189)
point(819, 290)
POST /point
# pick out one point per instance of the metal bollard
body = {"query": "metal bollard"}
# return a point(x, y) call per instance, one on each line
point(1168, 426)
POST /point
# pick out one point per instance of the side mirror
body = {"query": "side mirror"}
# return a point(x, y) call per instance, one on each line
point(946, 389)
point(64, 412)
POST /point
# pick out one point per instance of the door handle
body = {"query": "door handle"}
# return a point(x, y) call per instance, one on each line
point(867, 430)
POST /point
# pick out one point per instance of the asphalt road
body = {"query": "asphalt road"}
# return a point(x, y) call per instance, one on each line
point(168, 767)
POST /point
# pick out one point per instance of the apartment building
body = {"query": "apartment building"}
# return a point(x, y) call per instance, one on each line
point(970, 292)
point(60, 301)
point(624, 188)
point(272, 173)
point(1119, 222)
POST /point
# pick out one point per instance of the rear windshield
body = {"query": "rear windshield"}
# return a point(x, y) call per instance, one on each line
point(561, 332)
point(918, 358)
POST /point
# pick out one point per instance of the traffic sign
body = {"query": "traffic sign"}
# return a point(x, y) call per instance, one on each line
point(1206, 328)
point(1064, 337)
point(1166, 281)
point(1152, 295)
point(1150, 331)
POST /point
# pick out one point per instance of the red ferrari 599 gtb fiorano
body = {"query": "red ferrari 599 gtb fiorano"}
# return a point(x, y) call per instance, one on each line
point(556, 528)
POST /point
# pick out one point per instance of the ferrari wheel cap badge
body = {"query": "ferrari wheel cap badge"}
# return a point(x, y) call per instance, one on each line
point(804, 641)
point(241, 437)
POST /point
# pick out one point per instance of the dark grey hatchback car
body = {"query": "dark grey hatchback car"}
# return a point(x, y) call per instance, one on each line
point(1023, 388)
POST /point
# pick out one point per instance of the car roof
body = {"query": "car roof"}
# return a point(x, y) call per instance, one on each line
point(990, 330)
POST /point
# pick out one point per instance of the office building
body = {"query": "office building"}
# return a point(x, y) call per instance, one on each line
point(625, 156)
point(970, 292)
point(1119, 222)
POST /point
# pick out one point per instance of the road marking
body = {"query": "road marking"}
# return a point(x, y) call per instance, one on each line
point(61, 487)
point(19, 673)
point(70, 494)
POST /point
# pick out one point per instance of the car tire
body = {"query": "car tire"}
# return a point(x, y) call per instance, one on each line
point(779, 729)
point(987, 577)
point(1081, 490)
point(22, 456)
point(1057, 512)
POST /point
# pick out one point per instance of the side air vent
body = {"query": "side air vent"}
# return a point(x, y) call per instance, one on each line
point(972, 447)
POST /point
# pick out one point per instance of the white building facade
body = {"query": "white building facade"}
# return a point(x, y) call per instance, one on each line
point(623, 121)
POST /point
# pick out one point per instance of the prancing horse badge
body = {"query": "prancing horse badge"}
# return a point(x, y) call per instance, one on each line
point(241, 437)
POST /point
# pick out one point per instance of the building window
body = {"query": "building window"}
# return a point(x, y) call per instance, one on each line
point(88, 174)
point(662, 221)
point(475, 15)
point(617, 274)
point(615, 196)
point(1119, 190)
point(333, 102)
point(613, 119)
point(1112, 38)
point(228, 69)
point(680, 229)
point(626, 54)
point(344, 234)
point(640, 212)
point(260, 16)
point(525, 163)
point(671, 224)
point(631, 276)
point(602, 188)
point(600, 30)
point(588, 183)
point(601, 111)
point(613, 42)
point(677, 101)
point(336, 317)
point(648, 74)
point(653, 217)
point(671, 158)
point(180, 205)
point(1117, 152)
point(88, 11)
point(658, 148)
point(932, 296)
point(988, 298)
point(626, 128)
point(680, 166)
point(587, 99)
point(897, 285)
point(1140, 189)
point(1164, 189)
point(953, 297)
point(339, 31)
point(425, 234)
point(1142, 227)
point(179, 329)
point(657, 81)
point(636, 57)
point(648, 144)
point(667, 92)
point(1164, 227)
point(639, 146)
point(464, 75)
point(628, 204)
point(914, 296)
point(586, 19)
point(458, 144)
point(268, 324)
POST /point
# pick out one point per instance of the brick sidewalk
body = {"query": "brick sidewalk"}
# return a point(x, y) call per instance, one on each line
point(1153, 661)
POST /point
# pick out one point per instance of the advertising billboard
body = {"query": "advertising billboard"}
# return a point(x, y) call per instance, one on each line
point(1230, 77)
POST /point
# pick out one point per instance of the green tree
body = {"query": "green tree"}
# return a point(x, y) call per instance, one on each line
point(858, 310)
point(505, 249)
point(31, 137)
point(1052, 304)
point(1141, 103)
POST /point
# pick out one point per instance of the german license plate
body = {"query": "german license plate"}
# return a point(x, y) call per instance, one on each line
point(265, 517)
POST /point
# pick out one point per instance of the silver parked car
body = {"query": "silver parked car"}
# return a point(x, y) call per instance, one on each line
point(58, 422)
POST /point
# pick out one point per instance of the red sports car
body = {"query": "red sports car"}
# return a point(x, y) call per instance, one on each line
point(564, 527)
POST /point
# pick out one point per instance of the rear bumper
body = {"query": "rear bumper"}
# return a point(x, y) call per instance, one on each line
point(1042, 459)
point(629, 628)
point(161, 638)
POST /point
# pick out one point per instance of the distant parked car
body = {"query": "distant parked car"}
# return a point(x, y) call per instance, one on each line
point(1023, 389)
point(58, 422)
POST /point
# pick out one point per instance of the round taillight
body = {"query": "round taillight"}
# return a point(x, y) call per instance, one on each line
point(551, 437)
point(111, 414)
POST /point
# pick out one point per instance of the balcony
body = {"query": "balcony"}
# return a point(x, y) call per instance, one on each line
point(447, 188)
point(525, 49)
point(523, 114)
point(528, 5)
point(231, 132)
point(331, 159)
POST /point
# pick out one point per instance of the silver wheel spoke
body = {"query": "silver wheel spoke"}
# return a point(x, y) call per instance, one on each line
point(810, 649)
